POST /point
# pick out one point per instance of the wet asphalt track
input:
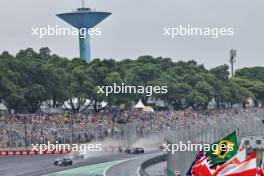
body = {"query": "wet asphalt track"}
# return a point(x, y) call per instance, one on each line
point(40, 165)
point(130, 167)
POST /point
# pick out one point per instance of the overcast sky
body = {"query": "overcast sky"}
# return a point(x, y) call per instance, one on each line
point(136, 28)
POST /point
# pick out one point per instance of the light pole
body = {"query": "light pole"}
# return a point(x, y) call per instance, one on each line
point(232, 60)
point(25, 128)
point(71, 126)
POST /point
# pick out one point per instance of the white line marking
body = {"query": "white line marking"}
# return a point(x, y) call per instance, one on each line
point(138, 174)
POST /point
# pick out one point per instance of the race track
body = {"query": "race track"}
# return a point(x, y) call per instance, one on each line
point(157, 169)
point(40, 165)
point(130, 167)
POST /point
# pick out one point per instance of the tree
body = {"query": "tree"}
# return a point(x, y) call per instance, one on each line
point(221, 72)
point(239, 92)
point(30, 78)
point(203, 94)
point(44, 53)
point(253, 73)
point(118, 98)
point(79, 86)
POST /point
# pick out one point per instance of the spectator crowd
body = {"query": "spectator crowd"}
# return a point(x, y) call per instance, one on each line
point(17, 130)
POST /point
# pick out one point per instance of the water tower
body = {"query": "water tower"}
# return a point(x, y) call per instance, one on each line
point(84, 18)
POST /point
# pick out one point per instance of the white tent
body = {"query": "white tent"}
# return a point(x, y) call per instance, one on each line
point(148, 109)
point(87, 102)
point(3, 107)
point(139, 105)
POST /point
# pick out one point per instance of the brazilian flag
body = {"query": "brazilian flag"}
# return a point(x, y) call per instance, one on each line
point(223, 150)
point(169, 172)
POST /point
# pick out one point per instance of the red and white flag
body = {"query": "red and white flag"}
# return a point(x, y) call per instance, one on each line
point(246, 168)
point(260, 170)
point(202, 168)
point(231, 164)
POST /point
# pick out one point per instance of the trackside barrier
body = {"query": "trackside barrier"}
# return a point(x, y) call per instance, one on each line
point(54, 152)
point(150, 162)
point(30, 152)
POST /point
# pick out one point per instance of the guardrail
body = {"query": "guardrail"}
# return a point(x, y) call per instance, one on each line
point(149, 162)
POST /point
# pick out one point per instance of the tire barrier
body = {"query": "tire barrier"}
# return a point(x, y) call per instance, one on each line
point(150, 162)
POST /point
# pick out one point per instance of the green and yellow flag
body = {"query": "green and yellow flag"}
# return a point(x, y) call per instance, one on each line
point(224, 149)
point(169, 172)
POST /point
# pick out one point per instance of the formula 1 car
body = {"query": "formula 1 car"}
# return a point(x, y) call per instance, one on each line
point(124, 149)
point(136, 151)
point(131, 151)
point(127, 150)
point(63, 162)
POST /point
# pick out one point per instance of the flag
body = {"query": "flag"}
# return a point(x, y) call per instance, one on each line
point(246, 168)
point(197, 158)
point(242, 144)
point(224, 149)
point(232, 163)
point(260, 169)
point(202, 167)
point(169, 172)
point(197, 163)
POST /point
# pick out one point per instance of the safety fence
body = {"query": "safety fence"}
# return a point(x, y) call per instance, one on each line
point(22, 130)
point(21, 135)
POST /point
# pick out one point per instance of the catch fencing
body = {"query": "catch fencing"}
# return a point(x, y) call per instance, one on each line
point(22, 135)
